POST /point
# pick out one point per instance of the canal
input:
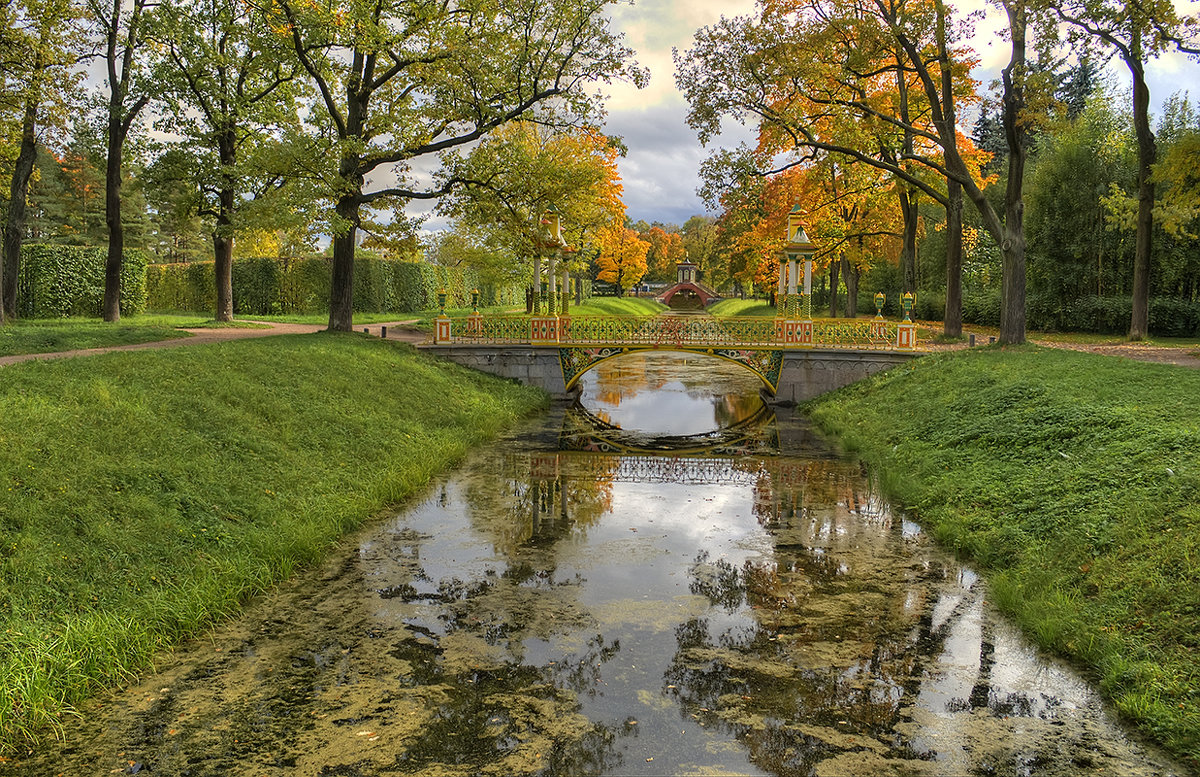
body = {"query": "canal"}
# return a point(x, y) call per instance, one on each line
point(671, 578)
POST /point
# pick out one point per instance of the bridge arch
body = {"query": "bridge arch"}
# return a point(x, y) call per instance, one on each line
point(764, 363)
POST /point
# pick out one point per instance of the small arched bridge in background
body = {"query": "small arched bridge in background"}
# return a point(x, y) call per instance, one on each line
point(795, 359)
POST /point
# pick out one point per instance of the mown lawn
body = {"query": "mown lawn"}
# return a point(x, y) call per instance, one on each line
point(741, 307)
point(69, 334)
point(1074, 479)
point(147, 494)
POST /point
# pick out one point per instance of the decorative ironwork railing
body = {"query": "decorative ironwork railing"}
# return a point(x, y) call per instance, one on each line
point(673, 331)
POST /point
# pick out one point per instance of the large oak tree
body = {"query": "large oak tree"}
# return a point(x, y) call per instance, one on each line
point(121, 33)
point(876, 82)
point(403, 81)
point(225, 81)
point(1137, 32)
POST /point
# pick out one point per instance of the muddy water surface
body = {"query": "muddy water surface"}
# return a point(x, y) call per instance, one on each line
point(663, 582)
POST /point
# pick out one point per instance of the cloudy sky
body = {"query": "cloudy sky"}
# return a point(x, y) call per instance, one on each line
point(660, 172)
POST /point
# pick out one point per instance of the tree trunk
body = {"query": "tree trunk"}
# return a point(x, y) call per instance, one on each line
point(14, 224)
point(834, 267)
point(223, 268)
point(952, 315)
point(223, 234)
point(341, 288)
point(908, 244)
point(851, 273)
point(1139, 322)
point(1012, 243)
point(112, 215)
point(954, 233)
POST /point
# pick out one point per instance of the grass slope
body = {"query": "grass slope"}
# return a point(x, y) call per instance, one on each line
point(618, 306)
point(147, 494)
point(1074, 479)
point(741, 307)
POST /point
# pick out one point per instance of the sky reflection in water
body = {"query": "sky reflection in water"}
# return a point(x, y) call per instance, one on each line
point(669, 394)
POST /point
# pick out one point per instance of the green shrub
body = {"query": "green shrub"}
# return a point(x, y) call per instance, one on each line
point(263, 286)
point(1103, 315)
point(60, 281)
point(181, 286)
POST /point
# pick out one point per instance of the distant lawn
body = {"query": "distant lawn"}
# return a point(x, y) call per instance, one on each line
point(741, 307)
point(618, 306)
point(147, 494)
point(70, 334)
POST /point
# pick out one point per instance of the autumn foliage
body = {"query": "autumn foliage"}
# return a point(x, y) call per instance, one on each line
point(622, 259)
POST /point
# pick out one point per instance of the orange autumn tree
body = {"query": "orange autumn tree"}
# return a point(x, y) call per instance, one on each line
point(514, 176)
point(622, 259)
point(666, 248)
point(849, 212)
point(871, 83)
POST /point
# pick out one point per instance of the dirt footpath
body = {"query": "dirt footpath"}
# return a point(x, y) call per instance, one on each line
point(396, 330)
point(1137, 351)
point(1182, 356)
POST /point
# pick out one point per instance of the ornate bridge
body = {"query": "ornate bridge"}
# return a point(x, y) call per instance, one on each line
point(555, 351)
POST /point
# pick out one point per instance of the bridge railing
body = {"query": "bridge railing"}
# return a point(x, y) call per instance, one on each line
point(676, 331)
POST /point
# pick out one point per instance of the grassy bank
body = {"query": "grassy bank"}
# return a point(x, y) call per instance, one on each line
point(1075, 480)
point(147, 494)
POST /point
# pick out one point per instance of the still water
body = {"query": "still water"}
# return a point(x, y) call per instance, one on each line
point(670, 579)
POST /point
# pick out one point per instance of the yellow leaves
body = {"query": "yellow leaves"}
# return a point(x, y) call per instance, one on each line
point(1120, 209)
point(622, 259)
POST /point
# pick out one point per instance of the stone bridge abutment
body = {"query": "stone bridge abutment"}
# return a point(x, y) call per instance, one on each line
point(791, 374)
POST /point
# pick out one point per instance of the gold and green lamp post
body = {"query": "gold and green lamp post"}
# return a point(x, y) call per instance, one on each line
point(475, 319)
point(797, 309)
point(906, 330)
point(878, 325)
point(441, 324)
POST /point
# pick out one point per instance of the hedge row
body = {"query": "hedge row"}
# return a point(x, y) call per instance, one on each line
point(1169, 317)
point(59, 281)
point(268, 286)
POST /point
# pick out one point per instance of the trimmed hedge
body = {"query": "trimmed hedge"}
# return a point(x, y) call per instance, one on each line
point(57, 281)
point(264, 286)
point(1169, 317)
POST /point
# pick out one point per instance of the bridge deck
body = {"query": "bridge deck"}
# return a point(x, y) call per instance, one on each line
point(691, 331)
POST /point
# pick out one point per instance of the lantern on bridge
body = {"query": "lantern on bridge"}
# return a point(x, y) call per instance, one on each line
point(544, 324)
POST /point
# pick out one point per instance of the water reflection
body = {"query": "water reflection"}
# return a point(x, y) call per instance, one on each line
point(670, 394)
point(573, 601)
